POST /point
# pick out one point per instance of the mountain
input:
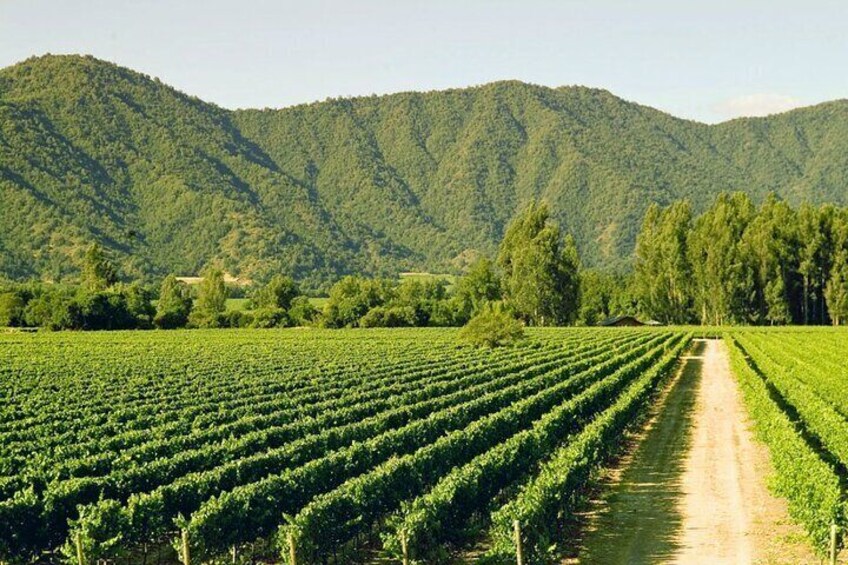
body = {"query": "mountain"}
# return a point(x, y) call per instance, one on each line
point(90, 151)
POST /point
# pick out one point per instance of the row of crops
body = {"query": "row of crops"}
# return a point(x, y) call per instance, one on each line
point(309, 443)
point(795, 386)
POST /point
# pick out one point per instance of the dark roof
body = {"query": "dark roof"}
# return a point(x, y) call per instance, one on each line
point(619, 320)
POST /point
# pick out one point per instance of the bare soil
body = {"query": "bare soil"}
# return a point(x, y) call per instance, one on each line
point(695, 489)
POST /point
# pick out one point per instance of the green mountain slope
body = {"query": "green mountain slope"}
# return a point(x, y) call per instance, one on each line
point(94, 152)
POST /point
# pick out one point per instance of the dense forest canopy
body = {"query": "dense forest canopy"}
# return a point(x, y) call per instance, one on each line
point(94, 153)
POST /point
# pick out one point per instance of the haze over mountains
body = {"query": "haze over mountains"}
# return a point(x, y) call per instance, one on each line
point(90, 151)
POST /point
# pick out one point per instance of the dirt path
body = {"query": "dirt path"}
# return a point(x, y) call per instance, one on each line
point(695, 489)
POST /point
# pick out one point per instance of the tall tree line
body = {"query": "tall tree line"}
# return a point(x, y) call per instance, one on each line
point(741, 264)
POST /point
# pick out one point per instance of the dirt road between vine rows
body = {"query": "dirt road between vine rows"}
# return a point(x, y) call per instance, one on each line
point(695, 489)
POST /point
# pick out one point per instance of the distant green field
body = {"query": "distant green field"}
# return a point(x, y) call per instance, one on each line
point(237, 304)
point(318, 301)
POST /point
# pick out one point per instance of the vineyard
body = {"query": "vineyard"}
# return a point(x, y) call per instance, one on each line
point(310, 445)
point(796, 391)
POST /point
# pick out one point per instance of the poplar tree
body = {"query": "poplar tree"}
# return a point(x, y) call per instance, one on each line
point(770, 245)
point(211, 299)
point(814, 259)
point(540, 269)
point(98, 273)
point(722, 276)
point(836, 289)
point(174, 304)
point(663, 274)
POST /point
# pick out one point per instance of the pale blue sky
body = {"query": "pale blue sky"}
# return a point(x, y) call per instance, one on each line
point(702, 60)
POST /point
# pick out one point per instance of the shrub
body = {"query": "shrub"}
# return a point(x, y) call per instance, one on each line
point(493, 327)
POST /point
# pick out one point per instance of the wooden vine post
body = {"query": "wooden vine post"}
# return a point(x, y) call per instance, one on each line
point(404, 547)
point(80, 554)
point(519, 554)
point(186, 552)
point(292, 549)
point(833, 531)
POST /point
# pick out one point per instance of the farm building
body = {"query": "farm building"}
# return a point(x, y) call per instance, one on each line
point(617, 321)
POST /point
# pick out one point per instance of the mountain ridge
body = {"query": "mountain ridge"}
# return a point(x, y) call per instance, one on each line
point(90, 151)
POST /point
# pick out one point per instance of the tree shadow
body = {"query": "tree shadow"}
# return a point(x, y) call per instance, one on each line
point(639, 520)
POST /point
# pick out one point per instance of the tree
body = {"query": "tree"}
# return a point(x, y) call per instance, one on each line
point(419, 297)
point(104, 310)
point(663, 273)
point(351, 298)
point(815, 227)
point(54, 309)
point(540, 269)
point(836, 289)
point(770, 244)
point(302, 312)
point(722, 277)
point(389, 317)
point(278, 293)
point(478, 287)
point(174, 305)
point(139, 304)
point(12, 306)
point(98, 273)
point(269, 317)
point(211, 299)
point(603, 295)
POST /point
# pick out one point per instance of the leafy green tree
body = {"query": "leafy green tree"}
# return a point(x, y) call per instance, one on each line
point(351, 298)
point(604, 295)
point(139, 301)
point(302, 312)
point(278, 293)
point(836, 289)
point(104, 310)
point(269, 317)
point(770, 244)
point(723, 277)
point(389, 317)
point(12, 305)
point(174, 304)
point(663, 273)
point(419, 297)
point(211, 300)
point(98, 273)
point(54, 309)
point(479, 286)
point(541, 282)
point(815, 228)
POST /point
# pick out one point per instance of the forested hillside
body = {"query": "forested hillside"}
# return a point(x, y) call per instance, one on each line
point(92, 152)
